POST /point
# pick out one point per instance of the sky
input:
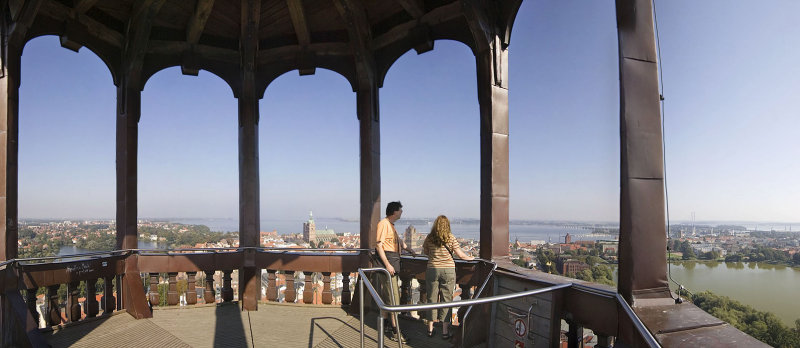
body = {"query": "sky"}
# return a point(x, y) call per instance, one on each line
point(731, 126)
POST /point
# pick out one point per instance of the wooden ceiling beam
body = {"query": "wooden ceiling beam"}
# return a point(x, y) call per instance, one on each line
point(198, 21)
point(81, 6)
point(137, 37)
point(359, 30)
point(60, 12)
point(298, 15)
point(23, 15)
point(413, 7)
point(436, 16)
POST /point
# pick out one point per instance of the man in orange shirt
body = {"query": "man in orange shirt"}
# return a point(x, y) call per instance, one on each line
point(388, 247)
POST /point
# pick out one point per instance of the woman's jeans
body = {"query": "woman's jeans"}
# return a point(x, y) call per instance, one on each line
point(440, 280)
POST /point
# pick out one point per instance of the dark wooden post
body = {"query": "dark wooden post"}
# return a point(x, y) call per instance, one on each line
point(92, 307)
point(642, 238)
point(405, 289)
point(346, 296)
point(575, 335)
point(191, 290)
point(308, 291)
point(227, 291)
point(290, 294)
point(208, 294)
point(272, 288)
point(327, 296)
point(249, 275)
point(73, 309)
point(30, 299)
point(53, 311)
point(9, 131)
point(367, 98)
point(172, 293)
point(155, 299)
point(109, 302)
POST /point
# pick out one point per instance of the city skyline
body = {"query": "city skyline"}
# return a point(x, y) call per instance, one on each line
point(728, 126)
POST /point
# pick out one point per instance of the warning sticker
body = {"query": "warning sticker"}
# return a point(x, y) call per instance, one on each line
point(519, 328)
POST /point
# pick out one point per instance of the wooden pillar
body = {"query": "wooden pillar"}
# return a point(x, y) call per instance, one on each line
point(53, 311)
point(492, 73)
point(208, 293)
point(346, 296)
point(642, 240)
point(172, 293)
point(327, 296)
point(92, 307)
point(129, 102)
point(272, 287)
point(191, 290)
point(249, 275)
point(368, 109)
point(9, 149)
point(73, 309)
point(30, 299)
point(308, 288)
point(109, 302)
point(155, 298)
point(290, 294)
point(227, 291)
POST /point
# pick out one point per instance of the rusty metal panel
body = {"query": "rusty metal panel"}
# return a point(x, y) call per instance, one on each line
point(635, 29)
point(642, 257)
point(641, 122)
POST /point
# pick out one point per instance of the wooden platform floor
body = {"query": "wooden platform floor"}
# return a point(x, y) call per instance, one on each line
point(224, 325)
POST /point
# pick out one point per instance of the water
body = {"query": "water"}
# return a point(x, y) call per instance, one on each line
point(525, 233)
point(765, 287)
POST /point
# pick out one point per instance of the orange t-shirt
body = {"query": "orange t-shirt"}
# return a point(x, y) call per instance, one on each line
point(386, 235)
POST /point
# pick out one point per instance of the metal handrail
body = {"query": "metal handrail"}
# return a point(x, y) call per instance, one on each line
point(642, 330)
point(477, 295)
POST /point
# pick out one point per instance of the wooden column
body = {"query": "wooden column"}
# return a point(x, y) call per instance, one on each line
point(9, 148)
point(129, 101)
point(346, 296)
point(155, 298)
point(109, 302)
point(227, 291)
point(642, 239)
point(272, 287)
point(191, 290)
point(208, 293)
point(327, 296)
point(370, 150)
point(30, 300)
point(172, 293)
point(308, 288)
point(73, 309)
point(249, 275)
point(290, 294)
point(53, 317)
point(492, 75)
point(92, 307)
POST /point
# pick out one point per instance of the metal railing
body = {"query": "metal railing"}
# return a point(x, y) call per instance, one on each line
point(640, 328)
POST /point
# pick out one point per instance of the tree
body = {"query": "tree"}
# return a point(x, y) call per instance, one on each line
point(689, 254)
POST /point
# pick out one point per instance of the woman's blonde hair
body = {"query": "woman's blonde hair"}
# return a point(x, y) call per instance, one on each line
point(440, 232)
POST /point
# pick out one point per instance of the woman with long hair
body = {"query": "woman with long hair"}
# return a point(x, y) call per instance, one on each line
point(440, 246)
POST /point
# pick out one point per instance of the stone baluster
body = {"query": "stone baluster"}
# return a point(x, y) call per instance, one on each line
point(53, 312)
point(308, 292)
point(574, 335)
point(227, 290)
point(109, 302)
point(172, 292)
point(346, 296)
point(92, 307)
point(73, 309)
point(405, 289)
point(466, 291)
point(290, 294)
point(604, 341)
point(327, 296)
point(119, 288)
point(155, 298)
point(30, 298)
point(191, 290)
point(272, 288)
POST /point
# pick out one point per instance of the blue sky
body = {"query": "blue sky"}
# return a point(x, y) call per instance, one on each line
point(731, 125)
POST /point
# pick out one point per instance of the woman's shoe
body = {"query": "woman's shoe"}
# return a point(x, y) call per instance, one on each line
point(432, 332)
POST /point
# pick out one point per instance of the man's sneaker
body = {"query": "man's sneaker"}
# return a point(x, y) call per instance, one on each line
point(393, 336)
